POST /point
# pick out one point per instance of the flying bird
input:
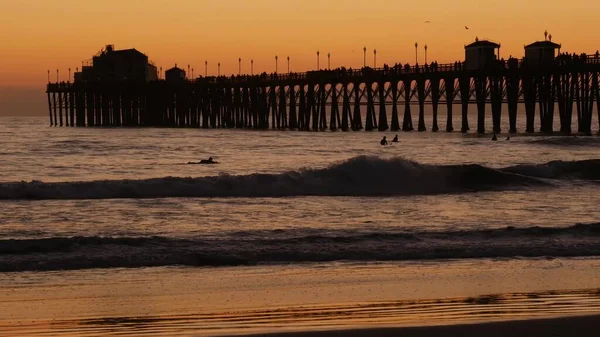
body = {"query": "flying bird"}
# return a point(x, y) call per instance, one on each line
point(466, 27)
point(427, 21)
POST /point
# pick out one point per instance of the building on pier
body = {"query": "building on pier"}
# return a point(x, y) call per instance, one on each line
point(118, 65)
point(481, 54)
point(175, 74)
point(541, 53)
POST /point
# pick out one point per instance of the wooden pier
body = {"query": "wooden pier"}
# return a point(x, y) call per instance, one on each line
point(334, 99)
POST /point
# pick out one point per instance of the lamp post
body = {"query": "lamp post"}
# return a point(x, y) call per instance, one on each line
point(69, 80)
point(364, 57)
point(48, 75)
point(251, 67)
point(375, 58)
point(219, 69)
point(425, 54)
point(188, 72)
point(416, 53)
point(192, 73)
point(329, 61)
point(240, 66)
point(276, 63)
point(56, 75)
point(160, 73)
point(288, 59)
point(318, 59)
point(206, 68)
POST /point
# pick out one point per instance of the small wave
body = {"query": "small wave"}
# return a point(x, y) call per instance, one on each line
point(292, 246)
point(565, 141)
point(581, 169)
point(358, 176)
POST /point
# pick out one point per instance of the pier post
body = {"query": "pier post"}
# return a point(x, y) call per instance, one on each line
point(67, 100)
point(60, 108)
point(312, 108)
point(408, 94)
point(512, 95)
point(395, 96)
point(302, 110)
point(529, 93)
point(369, 124)
point(322, 107)
point(346, 114)
point(334, 118)
point(383, 121)
point(50, 109)
point(449, 83)
point(357, 125)
point(293, 123)
point(283, 106)
point(421, 97)
point(435, 99)
point(72, 106)
point(465, 97)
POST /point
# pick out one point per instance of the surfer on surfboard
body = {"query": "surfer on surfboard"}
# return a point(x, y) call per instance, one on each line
point(205, 161)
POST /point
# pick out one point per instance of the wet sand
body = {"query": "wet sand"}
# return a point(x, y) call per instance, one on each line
point(301, 299)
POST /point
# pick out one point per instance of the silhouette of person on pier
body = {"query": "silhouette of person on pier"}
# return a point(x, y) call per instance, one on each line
point(383, 141)
point(395, 140)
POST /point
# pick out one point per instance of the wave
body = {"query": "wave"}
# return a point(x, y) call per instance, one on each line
point(296, 246)
point(565, 141)
point(582, 169)
point(358, 176)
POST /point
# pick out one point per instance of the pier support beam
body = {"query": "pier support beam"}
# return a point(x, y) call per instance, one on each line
point(395, 96)
point(421, 97)
point(435, 99)
point(408, 94)
point(465, 96)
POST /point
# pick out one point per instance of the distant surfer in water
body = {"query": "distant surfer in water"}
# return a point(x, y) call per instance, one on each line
point(383, 141)
point(395, 140)
point(205, 161)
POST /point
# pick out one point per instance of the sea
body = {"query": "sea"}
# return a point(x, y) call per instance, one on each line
point(110, 231)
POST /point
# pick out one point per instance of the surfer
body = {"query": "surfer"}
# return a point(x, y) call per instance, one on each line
point(205, 161)
point(494, 138)
point(383, 141)
point(395, 140)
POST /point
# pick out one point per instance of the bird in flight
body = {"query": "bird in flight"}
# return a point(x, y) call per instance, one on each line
point(466, 27)
point(427, 21)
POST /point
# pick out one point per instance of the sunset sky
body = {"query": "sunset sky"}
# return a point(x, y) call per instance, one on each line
point(38, 35)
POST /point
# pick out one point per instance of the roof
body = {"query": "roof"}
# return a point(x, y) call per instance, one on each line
point(543, 44)
point(130, 52)
point(483, 43)
point(175, 69)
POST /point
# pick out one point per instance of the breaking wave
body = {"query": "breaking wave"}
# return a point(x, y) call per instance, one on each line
point(358, 176)
point(296, 246)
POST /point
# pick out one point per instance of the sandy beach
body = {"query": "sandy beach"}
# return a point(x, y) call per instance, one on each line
point(305, 299)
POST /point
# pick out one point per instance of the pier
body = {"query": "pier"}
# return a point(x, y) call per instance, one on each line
point(393, 97)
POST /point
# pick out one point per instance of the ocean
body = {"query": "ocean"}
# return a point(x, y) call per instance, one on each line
point(110, 230)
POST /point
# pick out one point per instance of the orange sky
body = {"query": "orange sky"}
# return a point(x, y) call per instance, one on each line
point(42, 34)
